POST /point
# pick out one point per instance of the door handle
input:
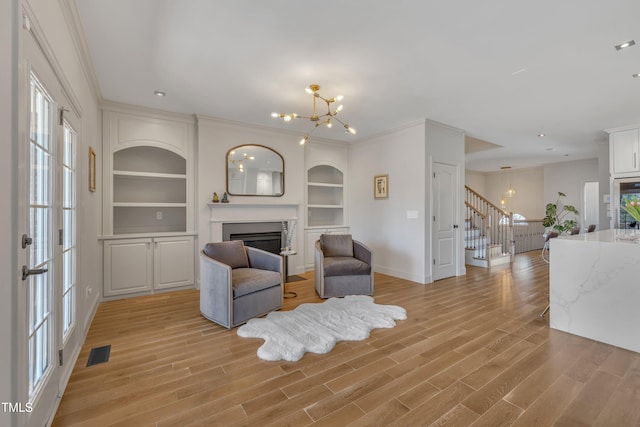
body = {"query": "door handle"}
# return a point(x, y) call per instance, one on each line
point(455, 225)
point(26, 272)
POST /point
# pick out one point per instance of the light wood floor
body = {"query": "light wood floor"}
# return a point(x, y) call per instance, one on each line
point(473, 351)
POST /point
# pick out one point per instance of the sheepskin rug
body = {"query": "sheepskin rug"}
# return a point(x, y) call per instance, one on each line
point(316, 328)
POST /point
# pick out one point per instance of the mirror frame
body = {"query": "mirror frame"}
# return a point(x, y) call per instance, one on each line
point(226, 168)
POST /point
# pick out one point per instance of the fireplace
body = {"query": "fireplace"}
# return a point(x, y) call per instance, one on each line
point(262, 235)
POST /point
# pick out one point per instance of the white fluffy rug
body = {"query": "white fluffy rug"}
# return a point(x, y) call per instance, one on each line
point(317, 328)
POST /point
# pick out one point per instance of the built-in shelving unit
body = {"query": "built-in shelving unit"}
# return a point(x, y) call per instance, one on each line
point(325, 196)
point(148, 193)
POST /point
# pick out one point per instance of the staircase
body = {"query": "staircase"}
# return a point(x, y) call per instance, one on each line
point(488, 232)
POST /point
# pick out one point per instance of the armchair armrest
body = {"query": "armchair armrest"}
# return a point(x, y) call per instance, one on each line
point(362, 252)
point(216, 290)
point(264, 260)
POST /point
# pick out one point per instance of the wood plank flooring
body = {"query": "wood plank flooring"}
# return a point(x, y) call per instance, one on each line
point(473, 351)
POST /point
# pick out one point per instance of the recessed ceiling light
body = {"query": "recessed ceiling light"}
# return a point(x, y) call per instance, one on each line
point(542, 135)
point(159, 93)
point(636, 75)
point(550, 149)
point(625, 45)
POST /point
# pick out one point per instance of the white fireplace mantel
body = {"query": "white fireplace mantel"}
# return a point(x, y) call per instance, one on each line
point(234, 212)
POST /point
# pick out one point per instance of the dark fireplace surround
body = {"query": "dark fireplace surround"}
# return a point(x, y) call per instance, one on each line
point(267, 236)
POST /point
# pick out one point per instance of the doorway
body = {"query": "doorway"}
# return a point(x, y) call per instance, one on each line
point(445, 220)
point(591, 205)
point(47, 251)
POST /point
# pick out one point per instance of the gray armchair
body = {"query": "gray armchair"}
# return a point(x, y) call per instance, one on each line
point(343, 266)
point(238, 282)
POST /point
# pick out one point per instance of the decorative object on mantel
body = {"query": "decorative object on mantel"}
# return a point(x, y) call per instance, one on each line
point(381, 187)
point(313, 90)
point(317, 328)
point(225, 198)
point(215, 198)
point(554, 214)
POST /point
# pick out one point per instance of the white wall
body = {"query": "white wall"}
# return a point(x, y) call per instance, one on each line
point(398, 243)
point(605, 188)
point(529, 197)
point(476, 181)
point(8, 171)
point(214, 138)
point(569, 178)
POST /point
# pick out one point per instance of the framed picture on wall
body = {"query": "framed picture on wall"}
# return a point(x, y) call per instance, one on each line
point(381, 186)
point(92, 170)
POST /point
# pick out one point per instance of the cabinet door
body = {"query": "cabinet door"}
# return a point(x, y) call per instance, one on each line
point(625, 151)
point(128, 266)
point(173, 262)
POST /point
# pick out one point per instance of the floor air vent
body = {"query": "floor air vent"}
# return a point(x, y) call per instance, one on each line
point(99, 355)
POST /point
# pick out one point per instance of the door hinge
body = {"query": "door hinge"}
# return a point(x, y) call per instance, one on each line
point(60, 237)
point(434, 218)
point(434, 174)
point(62, 110)
point(434, 261)
point(60, 357)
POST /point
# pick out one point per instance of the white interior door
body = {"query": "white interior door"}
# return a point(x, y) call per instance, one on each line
point(47, 250)
point(445, 214)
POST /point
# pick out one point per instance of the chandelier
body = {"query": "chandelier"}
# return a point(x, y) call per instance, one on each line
point(239, 162)
point(510, 191)
point(318, 119)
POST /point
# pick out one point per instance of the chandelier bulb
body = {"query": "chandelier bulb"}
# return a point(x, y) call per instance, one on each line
point(339, 98)
point(303, 140)
point(340, 107)
point(275, 115)
point(287, 118)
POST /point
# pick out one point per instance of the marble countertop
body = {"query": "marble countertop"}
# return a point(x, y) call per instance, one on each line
point(605, 236)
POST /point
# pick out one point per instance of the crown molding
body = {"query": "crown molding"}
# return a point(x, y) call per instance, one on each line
point(147, 111)
point(210, 120)
point(74, 24)
point(31, 24)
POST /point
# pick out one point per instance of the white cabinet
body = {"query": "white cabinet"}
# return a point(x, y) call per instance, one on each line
point(311, 236)
point(624, 149)
point(173, 262)
point(146, 264)
point(148, 197)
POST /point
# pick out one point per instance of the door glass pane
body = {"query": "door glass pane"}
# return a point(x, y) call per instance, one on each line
point(69, 228)
point(40, 287)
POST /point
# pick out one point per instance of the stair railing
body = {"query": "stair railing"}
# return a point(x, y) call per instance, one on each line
point(494, 224)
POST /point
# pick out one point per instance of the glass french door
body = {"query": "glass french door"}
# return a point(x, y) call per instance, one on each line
point(48, 246)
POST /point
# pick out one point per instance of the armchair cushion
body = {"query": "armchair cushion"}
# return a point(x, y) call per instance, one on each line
point(249, 280)
point(345, 266)
point(336, 245)
point(231, 253)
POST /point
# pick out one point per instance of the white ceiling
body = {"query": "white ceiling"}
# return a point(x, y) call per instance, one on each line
point(501, 70)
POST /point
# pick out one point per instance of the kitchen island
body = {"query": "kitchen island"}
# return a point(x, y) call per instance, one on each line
point(594, 286)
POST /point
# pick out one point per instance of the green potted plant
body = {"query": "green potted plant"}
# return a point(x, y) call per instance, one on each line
point(555, 214)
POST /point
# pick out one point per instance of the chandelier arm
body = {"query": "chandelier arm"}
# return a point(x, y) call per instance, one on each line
point(340, 121)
